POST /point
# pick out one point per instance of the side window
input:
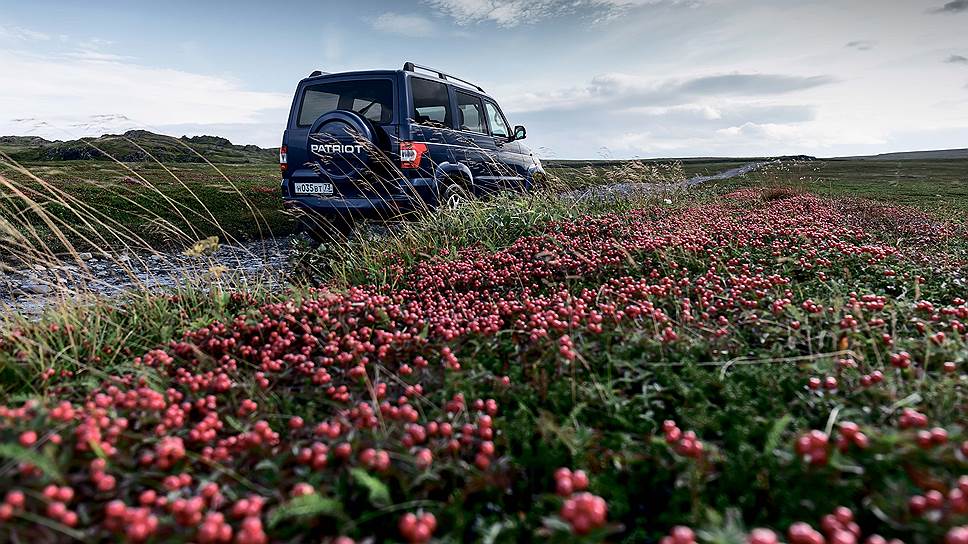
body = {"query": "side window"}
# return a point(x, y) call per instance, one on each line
point(470, 113)
point(499, 127)
point(431, 103)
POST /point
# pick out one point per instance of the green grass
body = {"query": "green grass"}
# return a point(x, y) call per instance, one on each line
point(179, 203)
point(136, 146)
point(931, 185)
point(163, 206)
point(744, 393)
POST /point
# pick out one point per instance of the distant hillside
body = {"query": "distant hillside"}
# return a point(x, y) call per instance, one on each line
point(915, 155)
point(136, 146)
point(584, 163)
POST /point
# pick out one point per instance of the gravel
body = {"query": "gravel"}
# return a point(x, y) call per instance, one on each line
point(30, 290)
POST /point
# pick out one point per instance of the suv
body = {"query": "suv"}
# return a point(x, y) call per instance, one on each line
point(378, 143)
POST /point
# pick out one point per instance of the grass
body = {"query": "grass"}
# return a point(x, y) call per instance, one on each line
point(241, 201)
point(778, 284)
point(607, 336)
point(927, 184)
point(147, 204)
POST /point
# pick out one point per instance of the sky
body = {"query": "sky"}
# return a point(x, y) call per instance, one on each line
point(588, 78)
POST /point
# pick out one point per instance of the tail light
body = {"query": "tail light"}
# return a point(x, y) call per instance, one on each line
point(411, 153)
point(283, 158)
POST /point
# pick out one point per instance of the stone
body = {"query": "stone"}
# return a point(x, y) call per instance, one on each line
point(34, 288)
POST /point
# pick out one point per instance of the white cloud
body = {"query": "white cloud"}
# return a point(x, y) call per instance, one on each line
point(620, 90)
point(16, 33)
point(747, 139)
point(811, 137)
point(67, 93)
point(861, 45)
point(96, 56)
point(704, 111)
point(414, 26)
point(509, 13)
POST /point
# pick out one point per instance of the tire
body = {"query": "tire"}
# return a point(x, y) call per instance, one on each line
point(454, 195)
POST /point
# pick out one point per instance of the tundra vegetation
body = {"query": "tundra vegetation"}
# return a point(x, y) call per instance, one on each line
point(770, 359)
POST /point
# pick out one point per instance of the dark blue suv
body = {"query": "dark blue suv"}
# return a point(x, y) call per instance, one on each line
point(380, 143)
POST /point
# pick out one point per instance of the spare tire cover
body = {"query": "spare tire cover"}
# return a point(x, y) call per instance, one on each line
point(342, 144)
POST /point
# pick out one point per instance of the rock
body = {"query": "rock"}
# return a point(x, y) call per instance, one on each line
point(35, 288)
point(85, 256)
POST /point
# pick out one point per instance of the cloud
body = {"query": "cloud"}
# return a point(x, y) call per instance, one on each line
point(751, 138)
point(957, 59)
point(510, 13)
point(721, 113)
point(861, 45)
point(67, 93)
point(96, 56)
point(414, 26)
point(955, 6)
point(618, 90)
point(700, 111)
point(752, 84)
point(747, 139)
point(810, 137)
point(502, 12)
point(16, 33)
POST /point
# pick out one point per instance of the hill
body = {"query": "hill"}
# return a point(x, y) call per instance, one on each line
point(914, 155)
point(584, 163)
point(135, 146)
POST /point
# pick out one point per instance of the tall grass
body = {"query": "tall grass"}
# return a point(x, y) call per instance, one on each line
point(366, 255)
point(48, 227)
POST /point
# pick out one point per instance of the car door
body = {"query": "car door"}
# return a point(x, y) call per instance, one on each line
point(475, 143)
point(511, 161)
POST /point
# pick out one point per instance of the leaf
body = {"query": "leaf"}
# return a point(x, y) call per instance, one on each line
point(556, 524)
point(24, 455)
point(234, 423)
point(312, 505)
point(378, 491)
point(52, 525)
point(266, 464)
point(776, 432)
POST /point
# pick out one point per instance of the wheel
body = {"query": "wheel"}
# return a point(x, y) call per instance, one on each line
point(454, 196)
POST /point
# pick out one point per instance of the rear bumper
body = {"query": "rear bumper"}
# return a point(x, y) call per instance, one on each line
point(415, 195)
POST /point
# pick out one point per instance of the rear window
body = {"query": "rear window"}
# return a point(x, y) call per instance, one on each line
point(371, 98)
point(431, 103)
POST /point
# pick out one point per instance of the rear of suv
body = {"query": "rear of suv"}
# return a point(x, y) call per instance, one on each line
point(382, 143)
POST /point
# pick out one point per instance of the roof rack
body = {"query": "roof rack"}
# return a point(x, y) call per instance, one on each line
point(411, 67)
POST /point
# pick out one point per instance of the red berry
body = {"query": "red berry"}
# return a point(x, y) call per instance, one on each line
point(762, 536)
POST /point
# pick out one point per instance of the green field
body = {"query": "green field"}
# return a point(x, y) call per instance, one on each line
point(739, 363)
point(174, 204)
point(928, 184)
point(148, 204)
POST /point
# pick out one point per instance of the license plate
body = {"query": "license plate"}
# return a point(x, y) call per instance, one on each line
point(314, 188)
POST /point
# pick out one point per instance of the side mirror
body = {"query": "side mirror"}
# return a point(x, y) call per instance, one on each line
point(520, 133)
